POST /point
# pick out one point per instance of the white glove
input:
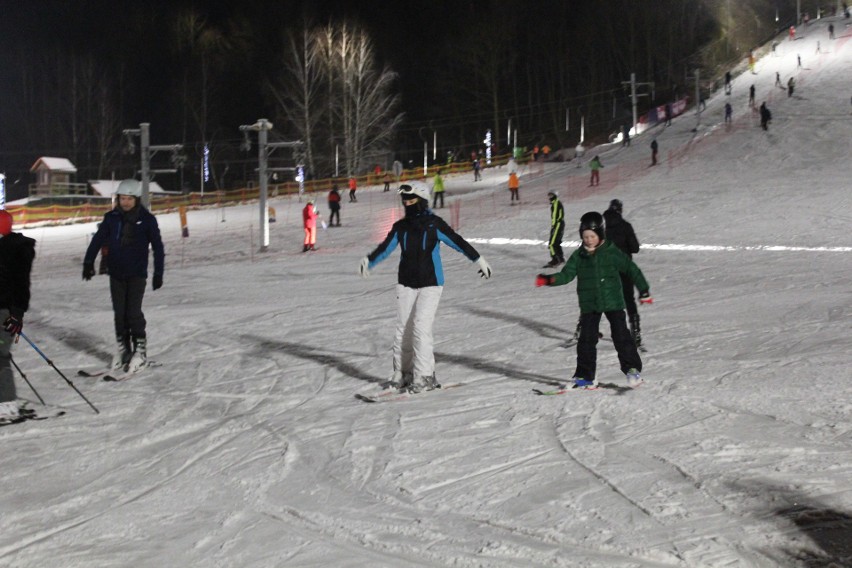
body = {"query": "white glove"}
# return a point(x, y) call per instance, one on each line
point(364, 269)
point(484, 268)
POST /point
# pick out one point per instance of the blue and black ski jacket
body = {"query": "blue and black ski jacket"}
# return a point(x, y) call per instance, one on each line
point(419, 238)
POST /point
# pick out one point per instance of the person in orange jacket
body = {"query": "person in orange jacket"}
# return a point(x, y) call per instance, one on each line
point(513, 187)
point(309, 219)
point(353, 185)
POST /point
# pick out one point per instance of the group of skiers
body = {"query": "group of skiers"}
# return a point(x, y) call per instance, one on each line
point(606, 276)
point(126, 234)
point(603, 267)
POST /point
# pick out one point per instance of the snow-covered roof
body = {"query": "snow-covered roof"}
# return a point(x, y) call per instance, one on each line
point(54, 165)
point(107, 187)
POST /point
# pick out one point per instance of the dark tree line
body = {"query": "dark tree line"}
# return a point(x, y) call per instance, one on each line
point(72, 79)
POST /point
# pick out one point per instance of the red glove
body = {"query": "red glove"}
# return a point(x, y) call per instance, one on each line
point(543, 280)
point(645, 298)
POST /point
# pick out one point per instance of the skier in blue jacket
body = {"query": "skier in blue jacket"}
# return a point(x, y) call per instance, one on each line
point(420, 283)
point(128, 231)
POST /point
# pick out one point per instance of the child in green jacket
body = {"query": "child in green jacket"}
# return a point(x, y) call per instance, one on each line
point(597, 265)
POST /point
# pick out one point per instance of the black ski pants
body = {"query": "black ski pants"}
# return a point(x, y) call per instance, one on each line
point(629, 297)
point(127, 297)
point(587, 345)
point(555, 244)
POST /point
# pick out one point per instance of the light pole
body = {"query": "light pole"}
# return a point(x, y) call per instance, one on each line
point(147, 151)
point(634, 96)
point(264, 149)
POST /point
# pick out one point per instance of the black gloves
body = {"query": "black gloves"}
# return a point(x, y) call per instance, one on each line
point(88, 270)
point(158, 281)
point(14, 324)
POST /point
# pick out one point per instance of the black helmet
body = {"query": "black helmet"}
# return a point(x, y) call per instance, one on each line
point(616, 205)
point(592, 221)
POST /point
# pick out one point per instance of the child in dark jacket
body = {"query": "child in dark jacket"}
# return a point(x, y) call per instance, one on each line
point(128, 231)
point(597, 265)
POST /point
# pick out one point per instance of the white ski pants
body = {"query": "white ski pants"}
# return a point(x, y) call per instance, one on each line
point(412, 346)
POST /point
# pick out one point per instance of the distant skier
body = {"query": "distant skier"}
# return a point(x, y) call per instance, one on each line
point(596, 266)
point(791, 86)
point(765, 116)
point(727, 82)
point(438, 190)
point(476, 170)
point(654, 148)
point(625, 135)
point(751, 95)
point(334, 206)
point(353, 187)
point(420, 282)
point(557, 229)
point(309, 222)
point(16, 261)
point(595, 166)
point(514, 184)
point(729, 111)
point(129, 230)
point(778, 80)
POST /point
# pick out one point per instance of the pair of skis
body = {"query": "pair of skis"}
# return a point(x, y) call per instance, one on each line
point(29, 415)
point(394, 395)
point(115, 375)
point(563, 389)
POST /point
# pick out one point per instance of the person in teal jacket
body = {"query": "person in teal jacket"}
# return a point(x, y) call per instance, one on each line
point(597, 266)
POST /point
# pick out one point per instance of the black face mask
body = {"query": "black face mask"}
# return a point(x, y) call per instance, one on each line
point(415, 208)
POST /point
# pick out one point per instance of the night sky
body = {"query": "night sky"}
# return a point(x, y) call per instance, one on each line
point(128, 31)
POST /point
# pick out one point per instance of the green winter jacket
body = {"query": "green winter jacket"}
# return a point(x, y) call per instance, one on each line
point(598, 281)
point(438, 184)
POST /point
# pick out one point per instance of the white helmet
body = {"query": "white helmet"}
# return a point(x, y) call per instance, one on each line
point(417, 188)
point(129, 187)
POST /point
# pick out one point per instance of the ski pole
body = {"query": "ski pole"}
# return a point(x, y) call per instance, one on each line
point(49, 362)
point(24, 376)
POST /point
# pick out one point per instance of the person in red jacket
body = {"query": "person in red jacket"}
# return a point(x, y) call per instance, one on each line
point(353, 185)
point(309, 218)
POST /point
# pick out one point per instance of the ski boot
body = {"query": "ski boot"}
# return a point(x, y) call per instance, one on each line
point(634, 379)
point(139, 360)
point(583, 384)
point(423, 383)
point(122, 356)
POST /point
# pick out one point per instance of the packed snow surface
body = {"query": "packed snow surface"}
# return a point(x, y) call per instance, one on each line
point(246, 447)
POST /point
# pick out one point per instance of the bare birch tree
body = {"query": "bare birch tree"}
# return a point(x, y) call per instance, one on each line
point(367, 109)
point(298, 90)
point(332, 88)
